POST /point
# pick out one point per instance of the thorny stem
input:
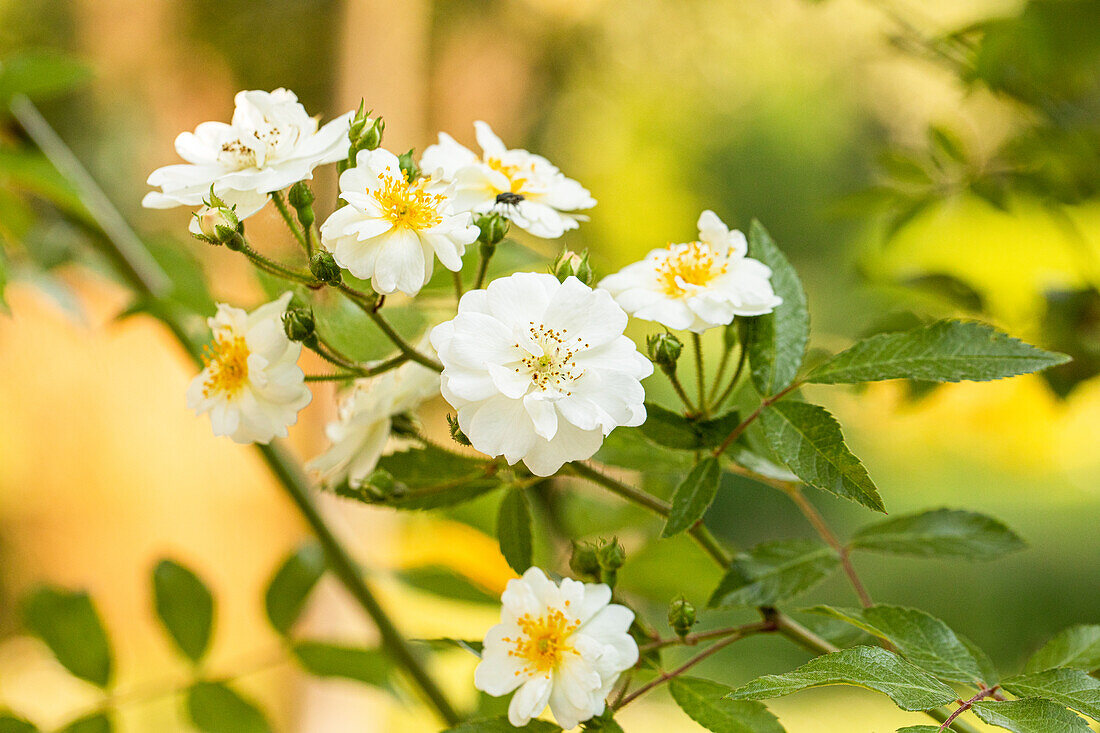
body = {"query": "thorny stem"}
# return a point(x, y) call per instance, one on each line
point(693, 639)
point(273, 267)
point(764, 404)
point(124, 247)
point(982, 694)
point(709, 651)
point(368, 305)
point(284, 211)
point(697, 342)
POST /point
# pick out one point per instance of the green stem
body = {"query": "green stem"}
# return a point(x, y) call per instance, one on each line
point(146, 277)
point(291, 224)
point(764, 404)
point(678, 388)
point(742, 358)
point(697, 342)
point(457, 277)
point(482, 268)
point(368, 306)
point(277, 269)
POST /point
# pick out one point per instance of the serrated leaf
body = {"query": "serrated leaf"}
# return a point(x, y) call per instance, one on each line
point(926, 641)
point(514, 530)
point(501, 725)
point(185, 607)
point(874, 668)
point(289, 588)
point(693, 496)
point(921, 638)
point(808, 439)
point(706, 703)
point(673, 430)
point(9, 723)
point(777, 341)
point(446, 583)
point(1029, 716)
point(322, 659)
point(215, 708)
point(1073, 688)
point(67, 621)
point(1077, 647)
point(939, 532)
point(945, 351)
point(96, 723)
point(774, 571)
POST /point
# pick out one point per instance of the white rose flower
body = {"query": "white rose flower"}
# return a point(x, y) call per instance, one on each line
point(562, 646)
point(392, 230)
point(360, 434)
point(251, 385)
point(540, 370)
point(532, 192)
point(697, 285)
point(270, 144)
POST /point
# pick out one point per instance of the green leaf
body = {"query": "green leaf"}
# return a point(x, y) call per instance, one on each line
point(1073, 688)
point(351, 331)
point(910, 687)
point(429, 478)
point(1029, 716)
point(774, 571)
point(446, 583)
point(946, 351)
point(289, 588)
point(1077, 647)
point(96, 723)
point(926, 642)
point(474, 647)
point(501, 725)
point(777, 341)
point(321, 659)
point(920, 729)
point(808, 439)
point(939, 533)
point(603, 724)
point(40, 75)
point(11, 724)
point(185, 607)
point(67, 621)
point(215, 708)
point(921, 638)
point(693, 496)
point(705, 702)
point(514, 530)
point(673, 430)
point(947, 142)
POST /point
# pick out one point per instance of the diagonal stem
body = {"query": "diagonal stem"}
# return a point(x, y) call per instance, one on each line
point(145, 276)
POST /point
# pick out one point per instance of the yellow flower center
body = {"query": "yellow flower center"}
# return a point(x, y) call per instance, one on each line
point(556, 367)
point(689, 264)
point(511, 172)
point(544, 641)
point(226, 362)
point(408, 204)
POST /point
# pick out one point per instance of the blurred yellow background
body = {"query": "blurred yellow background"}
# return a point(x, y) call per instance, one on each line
point(757, 108)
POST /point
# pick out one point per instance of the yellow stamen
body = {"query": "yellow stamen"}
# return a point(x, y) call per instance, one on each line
point(226, 363)
point(511, 172)
point(408, 204)
point(689, 264)
point(544, 642)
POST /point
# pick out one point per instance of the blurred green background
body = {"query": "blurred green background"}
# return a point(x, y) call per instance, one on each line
point(914, 159)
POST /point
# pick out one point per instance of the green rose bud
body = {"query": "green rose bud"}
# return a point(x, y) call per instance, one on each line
point(611, 554)
point(493, 228)
point(681, 616)
point(300, 195)
point(571, 264)
point(371, 137)
point(583, 562)
point(324, 267)
point(664, 351)
point(209, 218)
point(298, 324)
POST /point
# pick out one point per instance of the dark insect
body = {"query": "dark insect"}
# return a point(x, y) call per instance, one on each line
point(509, 198)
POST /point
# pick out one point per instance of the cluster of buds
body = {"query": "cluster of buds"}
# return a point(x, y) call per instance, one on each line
point(664, 351)
point(598, 561)
point(217, 223)
point(365, 133)
point(571, 264)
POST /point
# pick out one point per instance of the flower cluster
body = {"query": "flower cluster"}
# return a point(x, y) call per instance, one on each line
point(536, 365)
